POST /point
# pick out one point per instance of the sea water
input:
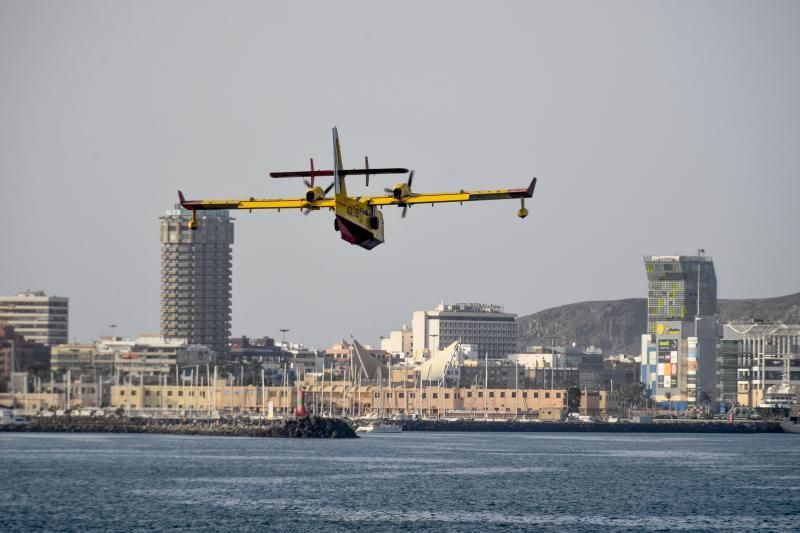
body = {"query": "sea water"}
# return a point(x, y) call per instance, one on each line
point(409, 481)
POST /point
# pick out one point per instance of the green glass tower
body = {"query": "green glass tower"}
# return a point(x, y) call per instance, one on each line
point(679, 288)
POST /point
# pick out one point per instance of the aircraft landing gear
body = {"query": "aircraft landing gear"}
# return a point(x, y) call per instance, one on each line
point(335, 224)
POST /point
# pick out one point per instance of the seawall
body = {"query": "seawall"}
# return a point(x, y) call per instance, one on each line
point(578, 427)
point(305, 427)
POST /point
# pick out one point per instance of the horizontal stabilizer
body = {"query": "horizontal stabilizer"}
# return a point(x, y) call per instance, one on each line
point(351, 172)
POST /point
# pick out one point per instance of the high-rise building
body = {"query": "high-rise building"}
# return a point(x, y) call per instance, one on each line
point(486, 327)
point(37, 317)
point(679, 351)
point(196, 278)
point(679, 288)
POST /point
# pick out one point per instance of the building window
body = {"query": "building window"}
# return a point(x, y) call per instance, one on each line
point(513, 394)
point(133, 393)
point(435, 395)
point(502, 394)
point(169, 393)
point(546, 394)
point(491, 394)
point(524, 394)
point(535, 394)
point(469, 394)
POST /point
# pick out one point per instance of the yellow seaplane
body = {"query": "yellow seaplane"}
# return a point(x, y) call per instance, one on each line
point(358, 219)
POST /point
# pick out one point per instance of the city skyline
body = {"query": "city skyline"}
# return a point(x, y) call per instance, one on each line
point(628, 117)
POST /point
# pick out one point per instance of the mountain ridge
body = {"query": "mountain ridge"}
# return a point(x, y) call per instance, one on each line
point(616, 326)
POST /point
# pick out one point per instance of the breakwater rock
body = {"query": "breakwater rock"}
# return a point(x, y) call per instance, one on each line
point(303, 428)
point(577, 427)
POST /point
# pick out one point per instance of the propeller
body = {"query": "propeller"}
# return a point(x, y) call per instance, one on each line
point(366, 166)
point(310, 184)
point(410, 179)
point(395, 194)
point(307, 210)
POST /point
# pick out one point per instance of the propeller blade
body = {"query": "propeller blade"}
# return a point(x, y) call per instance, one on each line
point(388, 190)
point(312, 172)
point(366, 166)
point(308, 184)
point(410, 178)
point(405, 209)
point(327, 190)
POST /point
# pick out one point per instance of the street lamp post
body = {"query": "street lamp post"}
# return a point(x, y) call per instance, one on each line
point(13, 390)
point(435, 346)
point(284, 331)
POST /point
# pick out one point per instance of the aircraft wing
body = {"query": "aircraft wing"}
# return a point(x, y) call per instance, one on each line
point(445, 197)
point(255, 203)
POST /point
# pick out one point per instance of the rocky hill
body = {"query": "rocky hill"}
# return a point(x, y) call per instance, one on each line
point(616, 325)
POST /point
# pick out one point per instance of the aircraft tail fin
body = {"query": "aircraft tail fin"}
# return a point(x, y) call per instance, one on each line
point(338, 175)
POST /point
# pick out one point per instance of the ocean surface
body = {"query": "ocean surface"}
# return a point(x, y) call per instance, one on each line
point(405, 482)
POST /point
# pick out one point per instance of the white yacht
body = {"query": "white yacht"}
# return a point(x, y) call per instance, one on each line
point(379, 427)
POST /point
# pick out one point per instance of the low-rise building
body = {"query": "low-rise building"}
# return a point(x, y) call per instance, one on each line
point(152, 356)
point(399, 343)
point(23, 355)
point(764, 350)
point(78, 358)
point(37, 317)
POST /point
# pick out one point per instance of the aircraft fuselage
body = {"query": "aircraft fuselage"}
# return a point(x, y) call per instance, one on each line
point(358, 222)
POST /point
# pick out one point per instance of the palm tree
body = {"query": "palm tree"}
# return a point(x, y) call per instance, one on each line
point(668, 396)
point(705, 400)
point(255, 371)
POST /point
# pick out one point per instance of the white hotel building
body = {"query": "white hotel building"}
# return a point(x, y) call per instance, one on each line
point(484, 326)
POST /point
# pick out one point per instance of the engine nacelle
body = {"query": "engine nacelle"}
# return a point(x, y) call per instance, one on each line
point(401, 190)
point(314, 193)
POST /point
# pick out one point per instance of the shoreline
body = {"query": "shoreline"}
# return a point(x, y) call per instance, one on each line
point(319, 427)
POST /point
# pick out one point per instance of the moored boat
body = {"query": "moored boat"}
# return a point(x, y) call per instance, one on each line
point(380, 427)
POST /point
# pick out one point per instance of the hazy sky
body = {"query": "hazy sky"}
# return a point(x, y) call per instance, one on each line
point(654, 128)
